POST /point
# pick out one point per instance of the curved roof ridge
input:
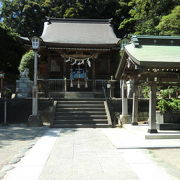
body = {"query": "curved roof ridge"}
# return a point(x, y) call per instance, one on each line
point(50, 19)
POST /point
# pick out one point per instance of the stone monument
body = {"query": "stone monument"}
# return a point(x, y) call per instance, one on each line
point(24, 85)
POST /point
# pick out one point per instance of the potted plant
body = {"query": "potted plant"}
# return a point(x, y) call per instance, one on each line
point(168, 105)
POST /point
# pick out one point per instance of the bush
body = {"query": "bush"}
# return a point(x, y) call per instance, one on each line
point(27, 61)
point(170, 105)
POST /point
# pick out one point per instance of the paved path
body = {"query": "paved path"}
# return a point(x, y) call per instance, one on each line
point(85, 154)
point(15, 141)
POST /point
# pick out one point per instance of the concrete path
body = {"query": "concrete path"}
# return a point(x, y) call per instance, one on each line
point(134, 137)
point(32, 164)
point(15, 141)
point(86, 154)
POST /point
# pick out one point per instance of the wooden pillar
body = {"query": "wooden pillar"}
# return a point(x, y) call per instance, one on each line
point(152, 108)
point(135, 106)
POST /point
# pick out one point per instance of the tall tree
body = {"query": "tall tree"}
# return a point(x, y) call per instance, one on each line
point(145, 15)
point(170, 24)
point(10, 50)
point(25, 17)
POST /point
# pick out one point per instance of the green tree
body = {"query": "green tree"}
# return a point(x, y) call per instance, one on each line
point(170, 24)
point(145, 15)
point(25, 17)
point(27, 61)
point(11, 50)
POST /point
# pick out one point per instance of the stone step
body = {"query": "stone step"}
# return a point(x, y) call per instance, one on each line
point(80, 105)
point(69, 109)
point(78, 95)
point(169, 126)
point(80, 116)
point(80, 113)
point(92, 121)
point(82, 99)
point(81, 126)
point(85, 113)
point(80, 102)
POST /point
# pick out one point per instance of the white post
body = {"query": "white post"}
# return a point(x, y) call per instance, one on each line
point(135, 106)
point(124, 117)
point(34, 119)
point(124, 99)
point(5, 110)
point(65, 84)
point(152, 109)
point(35, 88)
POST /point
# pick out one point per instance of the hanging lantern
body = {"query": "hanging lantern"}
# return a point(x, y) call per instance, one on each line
point(35, 42)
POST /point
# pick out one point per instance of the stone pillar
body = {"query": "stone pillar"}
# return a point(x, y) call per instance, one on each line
point(135, 106)
point(152, 109)
point(93, 76)
point(124, 99)
point(124, 117)
point(112, 83)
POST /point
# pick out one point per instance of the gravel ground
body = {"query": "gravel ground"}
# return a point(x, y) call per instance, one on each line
point(15, 141)
point(169, 159)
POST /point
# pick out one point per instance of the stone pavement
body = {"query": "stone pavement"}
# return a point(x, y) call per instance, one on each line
point(15, 141)
point(88, 154)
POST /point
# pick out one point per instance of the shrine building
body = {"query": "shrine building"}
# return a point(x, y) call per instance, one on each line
point(76, 55)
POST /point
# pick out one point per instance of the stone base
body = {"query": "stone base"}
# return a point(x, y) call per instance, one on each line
point(124, 119)
point(34, 121)
point(5, 124)
point(135, 123)
point(152, 131)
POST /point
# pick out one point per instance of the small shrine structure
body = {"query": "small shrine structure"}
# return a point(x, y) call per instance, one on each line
point(150, 60)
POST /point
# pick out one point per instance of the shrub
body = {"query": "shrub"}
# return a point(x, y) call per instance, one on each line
point(27, 61)
point(170, 105)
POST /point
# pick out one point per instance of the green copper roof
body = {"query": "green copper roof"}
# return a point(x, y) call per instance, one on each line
point(154, 55)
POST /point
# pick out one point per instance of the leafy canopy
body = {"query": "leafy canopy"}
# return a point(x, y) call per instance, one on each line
point(170, 24)
point(10, 50)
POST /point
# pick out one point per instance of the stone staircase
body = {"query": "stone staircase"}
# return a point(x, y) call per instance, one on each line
point(81, 113)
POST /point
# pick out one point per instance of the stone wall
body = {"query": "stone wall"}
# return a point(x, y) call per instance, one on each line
point(18, 110)
point(115, 106)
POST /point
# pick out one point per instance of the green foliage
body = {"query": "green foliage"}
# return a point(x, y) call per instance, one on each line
point(27, 61)
point(145, 15)
point(145, 91)
point(170, 24)
point(169, 101)
point(10, 49)
point(24, 17)
point(74, 12)
point(171, 105)
point(172, 91)
point(27, 17)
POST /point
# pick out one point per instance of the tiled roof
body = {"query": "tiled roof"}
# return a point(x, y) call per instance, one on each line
point(79, 31)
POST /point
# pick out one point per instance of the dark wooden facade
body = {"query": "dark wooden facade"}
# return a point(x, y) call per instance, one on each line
point(79, 60)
